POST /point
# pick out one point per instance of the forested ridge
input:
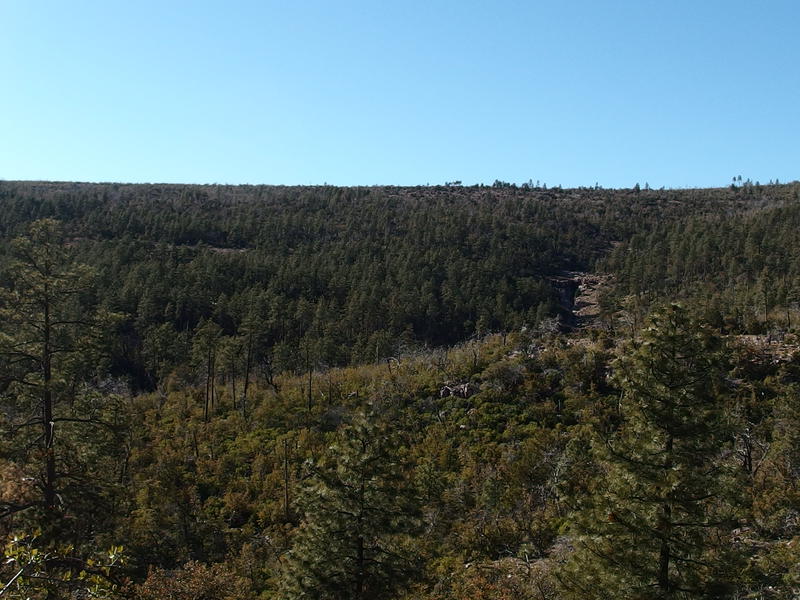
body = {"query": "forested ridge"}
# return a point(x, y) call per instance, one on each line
point(318, 392)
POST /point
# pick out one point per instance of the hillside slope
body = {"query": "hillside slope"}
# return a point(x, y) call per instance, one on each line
point(341, 275)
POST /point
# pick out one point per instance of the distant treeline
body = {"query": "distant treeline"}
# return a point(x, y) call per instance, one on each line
point(334, 276)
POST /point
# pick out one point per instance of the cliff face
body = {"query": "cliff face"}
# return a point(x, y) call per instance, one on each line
point(578, 297)
point(566, 287)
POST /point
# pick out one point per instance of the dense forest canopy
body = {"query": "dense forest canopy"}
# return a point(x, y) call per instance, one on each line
point(379, 392)
point(344, 275)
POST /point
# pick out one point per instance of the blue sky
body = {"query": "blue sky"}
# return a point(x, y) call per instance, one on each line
point(673, 93)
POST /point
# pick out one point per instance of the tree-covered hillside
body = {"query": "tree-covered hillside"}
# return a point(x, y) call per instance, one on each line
point(262, 392)
point(334, 276)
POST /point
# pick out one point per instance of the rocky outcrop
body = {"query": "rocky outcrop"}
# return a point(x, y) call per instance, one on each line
point(578, 296)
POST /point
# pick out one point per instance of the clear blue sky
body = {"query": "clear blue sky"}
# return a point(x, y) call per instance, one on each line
point(671, 92)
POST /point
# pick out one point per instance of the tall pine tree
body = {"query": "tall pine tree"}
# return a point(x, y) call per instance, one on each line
point(654, 523)
point(58, 420)
point(353, 542)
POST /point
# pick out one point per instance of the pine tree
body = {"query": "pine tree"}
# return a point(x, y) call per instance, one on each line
point(40, 329)
point(61, 426)
point(654, 524)
point(352, 543)
point(204, 354)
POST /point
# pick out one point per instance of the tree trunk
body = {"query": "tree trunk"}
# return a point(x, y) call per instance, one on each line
point(233, 384)
point(208, 385)
point(286, 480)
point(310, 381)
point(213, 380)
point(247, 366)
point(665, 527)
point(49, 483)
point(360, 549)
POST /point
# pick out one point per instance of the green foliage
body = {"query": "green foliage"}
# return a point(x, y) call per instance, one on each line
point(32, 572)
point(738, 268)
point(657, 522)
point(52, 348)
point(531, 463)
point(191, 582)
point(358, 514)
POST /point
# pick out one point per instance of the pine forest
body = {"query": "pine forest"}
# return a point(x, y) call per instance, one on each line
point(442, 392)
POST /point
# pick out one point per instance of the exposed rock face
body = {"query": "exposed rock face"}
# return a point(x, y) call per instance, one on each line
point(578, 297)
point(587, 300)
point(566, 287)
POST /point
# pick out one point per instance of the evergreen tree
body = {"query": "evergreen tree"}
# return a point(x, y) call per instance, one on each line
point(655, 522)
point(204, 354)
point(352, 543)
point(41, 347)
